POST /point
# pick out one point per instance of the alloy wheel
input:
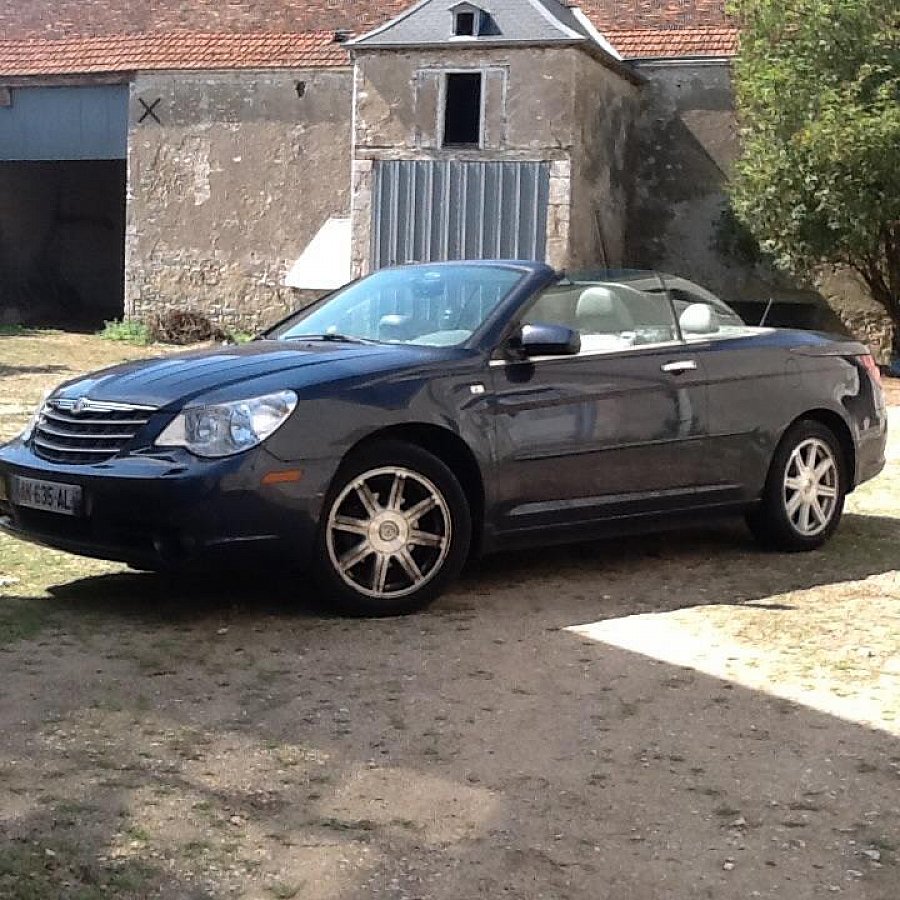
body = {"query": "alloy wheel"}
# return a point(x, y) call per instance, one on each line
point(388, 532)
point(811, 488)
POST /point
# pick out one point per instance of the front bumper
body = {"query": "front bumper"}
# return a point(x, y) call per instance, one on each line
point(172, 510)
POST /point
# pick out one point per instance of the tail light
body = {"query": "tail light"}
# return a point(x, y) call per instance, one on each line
point(871, 367)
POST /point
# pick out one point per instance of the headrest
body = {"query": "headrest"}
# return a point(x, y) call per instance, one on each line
point(598, 301)
point(394, 327)
point(699, 318)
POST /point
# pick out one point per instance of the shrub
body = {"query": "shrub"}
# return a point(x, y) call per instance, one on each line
point(129, 331)
point(176, 326)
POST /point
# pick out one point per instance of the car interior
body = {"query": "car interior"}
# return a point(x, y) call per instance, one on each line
point(608, 317)
point(612, 316)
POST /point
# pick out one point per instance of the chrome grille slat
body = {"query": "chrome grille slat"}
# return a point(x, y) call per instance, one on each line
point(58, 448)
point(99, 406)
point(83, 420)
point(103, 435)
point(86, 431)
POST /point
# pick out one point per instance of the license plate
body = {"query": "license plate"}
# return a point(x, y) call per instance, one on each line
point(49, 496)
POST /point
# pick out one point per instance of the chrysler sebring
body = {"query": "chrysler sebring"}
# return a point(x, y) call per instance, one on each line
point(427, 413)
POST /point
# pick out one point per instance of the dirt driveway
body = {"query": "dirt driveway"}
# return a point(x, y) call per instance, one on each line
point(672, 717)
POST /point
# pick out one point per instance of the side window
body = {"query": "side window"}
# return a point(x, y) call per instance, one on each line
point(609, 317)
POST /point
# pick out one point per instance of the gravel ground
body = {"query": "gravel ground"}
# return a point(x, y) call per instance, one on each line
point(671, 717)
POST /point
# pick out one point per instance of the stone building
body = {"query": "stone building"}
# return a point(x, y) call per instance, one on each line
point(189, 155)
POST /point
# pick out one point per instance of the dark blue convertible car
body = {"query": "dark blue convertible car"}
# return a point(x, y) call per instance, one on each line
point(427, 413)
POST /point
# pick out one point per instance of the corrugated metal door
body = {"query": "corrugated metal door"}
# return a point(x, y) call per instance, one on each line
point(427, 210)
point(65, 123)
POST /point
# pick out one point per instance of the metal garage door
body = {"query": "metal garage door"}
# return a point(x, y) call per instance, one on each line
point(64, 123)
point(426, 210)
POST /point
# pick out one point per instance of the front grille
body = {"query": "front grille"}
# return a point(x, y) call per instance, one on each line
point(86, 431)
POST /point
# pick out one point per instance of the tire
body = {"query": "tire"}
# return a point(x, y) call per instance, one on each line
point(800, 511)
point(395, 530)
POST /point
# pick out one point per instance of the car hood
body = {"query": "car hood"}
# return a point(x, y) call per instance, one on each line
point(181, 377)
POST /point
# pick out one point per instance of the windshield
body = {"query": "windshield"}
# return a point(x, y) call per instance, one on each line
point(432, 306)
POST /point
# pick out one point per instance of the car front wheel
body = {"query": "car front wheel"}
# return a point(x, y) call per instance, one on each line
point(395, 530)
point(804, 495)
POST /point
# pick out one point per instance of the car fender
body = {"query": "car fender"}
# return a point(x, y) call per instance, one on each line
point(336, 418)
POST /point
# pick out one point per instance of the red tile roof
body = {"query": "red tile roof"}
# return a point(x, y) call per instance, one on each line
point(656, 43)
point(89, 18)
point(22, 19)
point(616, 15)
point(180, 50)
point(76, 37)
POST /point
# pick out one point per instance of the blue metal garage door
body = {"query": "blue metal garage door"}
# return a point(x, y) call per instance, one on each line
point(427, 210)
point(56, 123)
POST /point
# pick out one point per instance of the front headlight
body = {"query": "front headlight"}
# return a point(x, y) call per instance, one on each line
point(224, 429)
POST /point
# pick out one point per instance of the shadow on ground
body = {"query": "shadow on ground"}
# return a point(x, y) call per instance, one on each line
point(652, 572)
point(32, 370)
point(210, 738)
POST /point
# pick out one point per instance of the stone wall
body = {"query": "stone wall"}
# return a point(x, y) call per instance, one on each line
point(873, 329)
point(848, 295)
point(229, 187)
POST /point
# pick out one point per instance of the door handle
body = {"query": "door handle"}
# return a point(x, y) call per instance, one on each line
point(679, 366)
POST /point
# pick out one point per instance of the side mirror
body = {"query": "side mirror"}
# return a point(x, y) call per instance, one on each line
point(542, 339)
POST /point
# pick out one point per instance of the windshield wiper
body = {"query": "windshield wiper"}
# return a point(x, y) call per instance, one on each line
point(331, 336)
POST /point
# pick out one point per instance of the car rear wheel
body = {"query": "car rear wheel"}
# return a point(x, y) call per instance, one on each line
point(804, 494)
point(395, 530)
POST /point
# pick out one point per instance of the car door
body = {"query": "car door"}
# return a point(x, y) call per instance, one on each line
point(746, 380)
point(618, 429)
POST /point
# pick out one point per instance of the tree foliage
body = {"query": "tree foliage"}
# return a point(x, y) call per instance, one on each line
point(818, 94)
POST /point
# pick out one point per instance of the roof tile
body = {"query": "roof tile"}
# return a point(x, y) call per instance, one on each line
point(179, 50)
point(661, 43)
point(71, 37)
point(615, 15)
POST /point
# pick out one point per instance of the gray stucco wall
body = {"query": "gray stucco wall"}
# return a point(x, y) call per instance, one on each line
point(231, 186)
point(686, 143)
point(606, 109)
point(531, 115)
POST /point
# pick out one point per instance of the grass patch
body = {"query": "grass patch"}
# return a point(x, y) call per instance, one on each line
point(22, 619)
point(284, 891)
point(127, 331)
point(346, 824)
point(29, 871)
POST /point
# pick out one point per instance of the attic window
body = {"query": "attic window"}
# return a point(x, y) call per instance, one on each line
point(464, 24)
point(462, 110)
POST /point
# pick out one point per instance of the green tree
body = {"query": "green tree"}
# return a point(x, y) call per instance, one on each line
point(818, 96)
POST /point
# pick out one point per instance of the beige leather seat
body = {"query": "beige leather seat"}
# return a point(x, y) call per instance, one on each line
point(699, 318)
point(601, 311)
